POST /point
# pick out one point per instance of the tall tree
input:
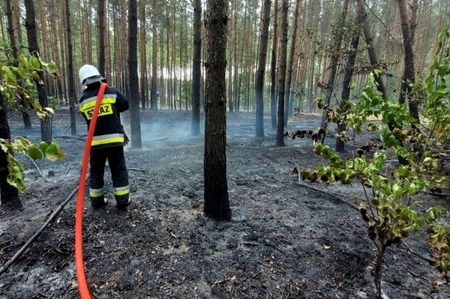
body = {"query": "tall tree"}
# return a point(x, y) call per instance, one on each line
point(124, 48)
point(154, 85)
point(349, 69)
point(30, 24)
point(335, 55)
point(231, 54)
point(196, 67)
point(11, 30)
point(290, 68)
point(15, 55)
point(273, 67)
point(282, 71)
point(86, 31)
point(70, 71)
point(44, 29)
point(101, 36)
point(259, 88)
point(9, 194)
point(371, 49)
point(143, 54)
point(215, 167)
point(136, 141)
point(408, 78)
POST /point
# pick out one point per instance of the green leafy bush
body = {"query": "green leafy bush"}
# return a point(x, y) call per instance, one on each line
point(17, 84)
point(24, 146)
point(391, 208)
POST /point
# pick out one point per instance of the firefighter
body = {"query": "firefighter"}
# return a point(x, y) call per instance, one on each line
point(108, 140)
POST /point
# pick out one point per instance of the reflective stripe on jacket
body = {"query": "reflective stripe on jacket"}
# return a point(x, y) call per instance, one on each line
point(108, 131)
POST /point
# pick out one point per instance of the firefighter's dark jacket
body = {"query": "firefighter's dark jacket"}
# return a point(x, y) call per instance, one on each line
point(108, 130)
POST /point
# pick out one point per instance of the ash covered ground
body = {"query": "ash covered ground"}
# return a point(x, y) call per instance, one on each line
point(287, 238)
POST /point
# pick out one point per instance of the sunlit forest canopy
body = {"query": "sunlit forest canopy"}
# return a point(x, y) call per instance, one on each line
point(165, 44)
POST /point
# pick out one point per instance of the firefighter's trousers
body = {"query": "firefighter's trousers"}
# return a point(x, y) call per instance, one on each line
point(119, 173)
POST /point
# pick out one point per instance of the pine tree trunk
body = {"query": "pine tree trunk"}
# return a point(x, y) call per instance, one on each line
point(101, 36)
point(334, 64)
point(409, 77)
point(9, 194)
point(215, 175)
point(196, 67)
point(136, 141)
point(259, 88)
point(70, 72)
point(287, 103)
point(30, 24)
point(282, 71)
point(232, 48)
point(124, 47)
point(153, 84)
point(340, 145)
point(273, 68)
point(143, 56)
point(371, 51)
point(15, 54)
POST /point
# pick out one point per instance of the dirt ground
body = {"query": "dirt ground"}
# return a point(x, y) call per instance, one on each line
point(287, 239)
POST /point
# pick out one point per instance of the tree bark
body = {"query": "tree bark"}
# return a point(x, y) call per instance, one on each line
point(340, 145)
point(371, 51)
point(215, 167)
point(408, 78)
point(15, 54)
point(9, 194)
point(287, 104)
point(334, 63)
point(124, 47)
point(143, 55)
point(136, 141)
point(101, 36)
point(30, 24)
point(196, 67)
point(154, 85)
point(231, 51)
point(259, 88)
point(273, 68)
point(282, 72)
point(108, 59)
point(44, 39)
point(11, 30)
point(70, 72)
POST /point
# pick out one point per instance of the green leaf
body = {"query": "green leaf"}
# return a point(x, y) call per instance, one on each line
point(52, 68)
point(51, 153)
point(54, 152)
point(43, 146)
point(35, 63)
point(34, 153)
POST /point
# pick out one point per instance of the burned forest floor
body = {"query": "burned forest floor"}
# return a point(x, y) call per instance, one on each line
point(287, 238)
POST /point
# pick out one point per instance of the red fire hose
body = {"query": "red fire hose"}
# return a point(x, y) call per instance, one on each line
point(79, 264)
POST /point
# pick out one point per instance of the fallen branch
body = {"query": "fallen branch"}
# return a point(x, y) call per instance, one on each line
point(38, 232)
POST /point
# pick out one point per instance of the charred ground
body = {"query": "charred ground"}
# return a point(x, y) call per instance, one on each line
point(287, 239)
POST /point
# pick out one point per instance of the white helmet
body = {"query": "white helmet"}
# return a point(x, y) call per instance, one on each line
point(89, 74)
